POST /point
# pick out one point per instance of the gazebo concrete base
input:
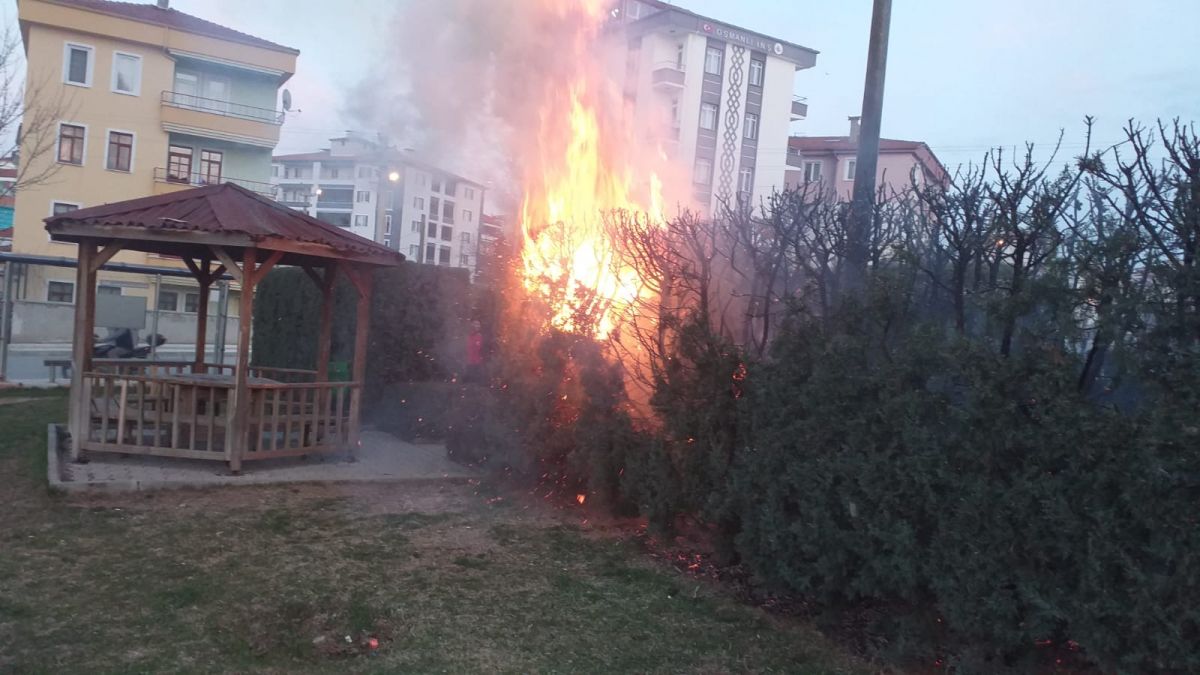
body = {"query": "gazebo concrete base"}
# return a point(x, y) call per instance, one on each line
point(382, 458)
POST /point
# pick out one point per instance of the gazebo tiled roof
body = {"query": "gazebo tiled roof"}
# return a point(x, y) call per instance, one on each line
point(225, 214)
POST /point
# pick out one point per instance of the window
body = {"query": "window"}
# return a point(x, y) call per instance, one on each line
point(467, 216)
point(436, 185)
point(466, 237)
point(70, 143)
point(444, 255)
point(447, 233)
point(77, 65)
point(469, 193)
point(448, 212)
point(362, 197)
point(750, 128)
point(679, 56)
point(127, 74)
point(179, 163)
point(464, 260)
point(387, 224)
point(210, 167)
point(333, 172)
point(191, 302)
point(703, 171)
point(712, 61)
point(360, 221)
point(187, 88)
point(416, 226)
point(451, 187)
point(851, 166)
point(432, 230)
point(413, 251)
point(746, 182)
point(708, 116)
point(108, 289)
point(168, 301)
point(60, 291)
point(419, 203)
point(756, 72)
point(275, 170)
point(812, 171)
point(387, 241)
point(430, 253)
point(434, 207)
point(59, 208)
point(120, 151)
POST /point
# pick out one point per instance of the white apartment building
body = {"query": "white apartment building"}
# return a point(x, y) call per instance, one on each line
point(723, 97)
point(428, 214)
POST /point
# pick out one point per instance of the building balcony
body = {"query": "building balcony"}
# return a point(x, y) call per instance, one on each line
point(328, 205)
point(667, 75)
point(168, 181)
point(219, 119)
point(799, 108)
point(794, 159)
point(295, 203)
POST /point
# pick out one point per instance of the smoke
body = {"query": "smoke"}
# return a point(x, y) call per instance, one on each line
point(462, 82)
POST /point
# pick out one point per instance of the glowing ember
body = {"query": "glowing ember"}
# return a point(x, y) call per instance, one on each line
point(581, 498)
point(588, 164)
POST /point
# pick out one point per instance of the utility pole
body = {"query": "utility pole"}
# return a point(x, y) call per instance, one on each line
point(859, 226)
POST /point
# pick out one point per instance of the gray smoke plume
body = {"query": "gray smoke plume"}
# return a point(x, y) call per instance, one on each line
point(461, 82)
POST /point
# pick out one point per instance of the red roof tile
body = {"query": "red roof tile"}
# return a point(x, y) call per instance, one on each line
point(224, 209)
point(173, 18)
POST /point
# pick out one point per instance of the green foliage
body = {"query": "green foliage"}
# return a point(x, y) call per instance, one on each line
point(946, 477)
point(419, 320)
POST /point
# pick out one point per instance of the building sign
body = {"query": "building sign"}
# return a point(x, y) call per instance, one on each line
point(729, 35)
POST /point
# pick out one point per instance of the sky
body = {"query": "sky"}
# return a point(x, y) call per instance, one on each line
point(962, 75)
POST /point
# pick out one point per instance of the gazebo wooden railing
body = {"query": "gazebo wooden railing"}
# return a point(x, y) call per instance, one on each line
point(164, 414)
point(198, 410)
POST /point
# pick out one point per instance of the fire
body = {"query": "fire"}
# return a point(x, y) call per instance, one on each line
point(581, 498)
point(588, 165)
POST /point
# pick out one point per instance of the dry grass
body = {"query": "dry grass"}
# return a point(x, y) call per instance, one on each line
point(275, 579)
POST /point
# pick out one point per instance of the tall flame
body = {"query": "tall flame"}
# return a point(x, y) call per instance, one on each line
point(588, 165)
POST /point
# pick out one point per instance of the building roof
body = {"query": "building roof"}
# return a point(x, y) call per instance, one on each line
point(172, 18)
point(706, 23)
point(815, 145)
point(372, 158)
point(226, 209)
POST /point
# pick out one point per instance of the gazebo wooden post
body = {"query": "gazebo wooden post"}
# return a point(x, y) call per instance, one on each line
point(325, 337)
point(239, 435)
point(362, 283)
point(205, 281)
point(81, 345)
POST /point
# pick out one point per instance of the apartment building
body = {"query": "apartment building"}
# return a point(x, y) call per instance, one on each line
point(429, 214)
point(721, 97)
point(827, 163)
point(155, 101)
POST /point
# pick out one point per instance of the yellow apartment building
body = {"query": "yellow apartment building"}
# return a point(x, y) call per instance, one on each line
point(154, 100)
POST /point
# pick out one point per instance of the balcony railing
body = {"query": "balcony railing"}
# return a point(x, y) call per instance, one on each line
point(195, 179)
point(330, 204)
point(215, 106)
point(667, 74)
point(799, 107)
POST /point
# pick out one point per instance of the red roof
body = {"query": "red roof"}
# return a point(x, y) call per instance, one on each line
point(225, 209)
point(173, 18)
point(844, 144)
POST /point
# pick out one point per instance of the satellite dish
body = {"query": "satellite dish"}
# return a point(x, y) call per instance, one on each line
point(287, 99)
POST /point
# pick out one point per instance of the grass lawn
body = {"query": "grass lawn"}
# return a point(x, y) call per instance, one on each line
point(274, 579)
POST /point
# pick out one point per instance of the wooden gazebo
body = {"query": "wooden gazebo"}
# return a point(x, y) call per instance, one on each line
point(201, 410)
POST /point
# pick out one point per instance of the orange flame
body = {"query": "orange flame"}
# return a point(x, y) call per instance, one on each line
point(581, 498)
point(588, 165)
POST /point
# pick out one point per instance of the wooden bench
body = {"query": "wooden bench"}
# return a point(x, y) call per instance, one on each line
point(55, 364)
